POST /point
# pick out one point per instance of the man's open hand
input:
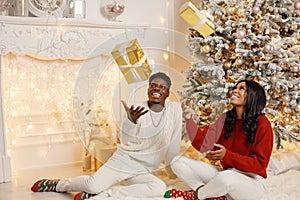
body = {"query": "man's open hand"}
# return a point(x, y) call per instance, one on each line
point(134, 113)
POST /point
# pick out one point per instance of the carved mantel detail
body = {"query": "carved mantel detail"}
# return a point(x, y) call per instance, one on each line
point(56, 39)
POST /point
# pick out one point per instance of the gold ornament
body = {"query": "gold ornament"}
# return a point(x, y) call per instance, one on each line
point(286, 99)
point(206, 48)
point(218, 56)
point(295, 69)
point(239, 61)
point(273, 79)
point(286, 120)
point(230, 10)
point(227, 65)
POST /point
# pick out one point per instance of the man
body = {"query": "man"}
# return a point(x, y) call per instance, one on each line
point(149, 135)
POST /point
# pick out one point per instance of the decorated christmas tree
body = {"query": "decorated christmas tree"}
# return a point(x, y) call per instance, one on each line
point(257, 39)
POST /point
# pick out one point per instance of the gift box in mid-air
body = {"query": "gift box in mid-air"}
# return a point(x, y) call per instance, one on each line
point(132, 61)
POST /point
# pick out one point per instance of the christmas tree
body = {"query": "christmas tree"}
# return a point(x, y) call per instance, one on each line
point(257, 39)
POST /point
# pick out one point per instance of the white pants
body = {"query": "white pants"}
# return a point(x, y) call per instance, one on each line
point(136, 185)
point(217, 182)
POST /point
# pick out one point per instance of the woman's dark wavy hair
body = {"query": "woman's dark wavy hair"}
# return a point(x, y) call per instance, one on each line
point(255, 103)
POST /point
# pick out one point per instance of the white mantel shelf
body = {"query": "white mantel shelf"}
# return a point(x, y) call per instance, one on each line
point(61, 38)
point(69, 22)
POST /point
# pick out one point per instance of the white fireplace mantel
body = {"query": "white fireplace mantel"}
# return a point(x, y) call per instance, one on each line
point(88, 43)
point(57, 38)
point(54, 39)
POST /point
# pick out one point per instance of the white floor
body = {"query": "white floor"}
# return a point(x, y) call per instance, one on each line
point(280, 187)
point(19, 187)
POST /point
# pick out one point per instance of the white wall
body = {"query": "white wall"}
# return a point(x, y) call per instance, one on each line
point(136, 11)
point(5, 167)
point(38, 149)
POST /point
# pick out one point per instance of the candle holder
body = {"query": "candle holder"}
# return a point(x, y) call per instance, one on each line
point(76, 9)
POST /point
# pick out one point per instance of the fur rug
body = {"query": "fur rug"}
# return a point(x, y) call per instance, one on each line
point(282, 182)
point(280, 187)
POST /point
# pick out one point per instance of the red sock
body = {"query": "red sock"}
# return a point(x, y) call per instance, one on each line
point(82, 196)
point(189, 195)
point(34, 186)
point(173, 193)
point(77, 196)
point(45, 185)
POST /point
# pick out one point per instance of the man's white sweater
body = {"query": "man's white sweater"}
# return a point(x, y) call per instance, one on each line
point(155, 137)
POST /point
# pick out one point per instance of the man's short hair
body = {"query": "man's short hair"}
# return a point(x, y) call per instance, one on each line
point(162, 76)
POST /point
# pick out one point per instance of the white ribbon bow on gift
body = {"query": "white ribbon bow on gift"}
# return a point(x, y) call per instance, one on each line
point(123, 51)
point(203, 15)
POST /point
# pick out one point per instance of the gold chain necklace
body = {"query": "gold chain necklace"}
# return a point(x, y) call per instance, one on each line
point(164, 109)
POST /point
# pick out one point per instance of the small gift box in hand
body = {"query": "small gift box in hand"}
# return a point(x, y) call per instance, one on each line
point(132, 61)
point(202, 21)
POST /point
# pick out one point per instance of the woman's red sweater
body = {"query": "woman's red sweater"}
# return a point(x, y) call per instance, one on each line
point(240, 154)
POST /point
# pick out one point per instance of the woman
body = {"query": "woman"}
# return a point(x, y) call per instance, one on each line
point(241, 138)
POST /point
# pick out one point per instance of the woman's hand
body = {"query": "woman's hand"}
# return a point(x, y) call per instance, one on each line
point(216, 154)
point(187, 108)
point(134, 114)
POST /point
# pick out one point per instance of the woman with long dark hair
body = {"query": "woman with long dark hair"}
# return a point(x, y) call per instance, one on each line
point(241, 139)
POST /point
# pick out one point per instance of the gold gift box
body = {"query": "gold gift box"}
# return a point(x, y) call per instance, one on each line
point(189, 13)
point(132, 61)
point(205, 27)
point(199, 20)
